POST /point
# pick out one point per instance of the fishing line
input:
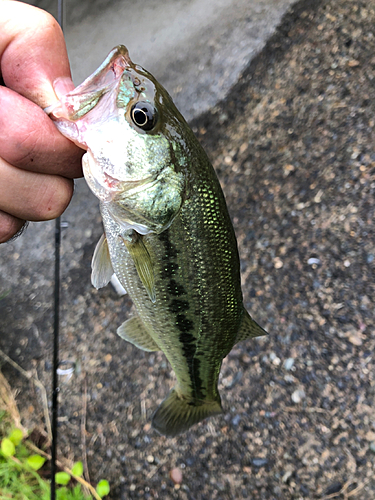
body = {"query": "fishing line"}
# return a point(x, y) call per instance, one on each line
point(56, 324)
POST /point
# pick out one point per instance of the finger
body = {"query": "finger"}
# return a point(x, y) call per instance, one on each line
point(9, 226)
point(33, 52)
point(30, 140)
point(33, 196)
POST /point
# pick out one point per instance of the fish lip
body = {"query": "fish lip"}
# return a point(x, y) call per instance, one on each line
point(104, 79)
point(117, 61)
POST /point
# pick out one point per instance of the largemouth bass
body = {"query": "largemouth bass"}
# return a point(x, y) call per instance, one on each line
point(167, 236)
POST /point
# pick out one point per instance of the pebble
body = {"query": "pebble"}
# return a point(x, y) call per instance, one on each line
point(259, 462)
point(287, 476)
point(176, 475)
point(313, 260)
point(298, 396)
point(370, 436)
point(288, 363)
point(355, 339)
point(236, 420)
point(278, 263)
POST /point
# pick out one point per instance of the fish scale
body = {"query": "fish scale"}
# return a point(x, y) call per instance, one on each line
point(168, 235)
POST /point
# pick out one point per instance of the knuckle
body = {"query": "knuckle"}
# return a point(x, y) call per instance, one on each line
point(9, 226)
point(55, 199)
point(45, 20)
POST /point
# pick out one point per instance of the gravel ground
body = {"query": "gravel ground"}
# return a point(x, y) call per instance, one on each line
point(293, 146)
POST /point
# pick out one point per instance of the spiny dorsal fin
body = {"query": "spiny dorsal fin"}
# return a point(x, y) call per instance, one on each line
point(101, 266)
point(249, 328)
point(134, 331)
point(142, 261)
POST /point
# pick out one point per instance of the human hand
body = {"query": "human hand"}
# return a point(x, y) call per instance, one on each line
point(37, 164)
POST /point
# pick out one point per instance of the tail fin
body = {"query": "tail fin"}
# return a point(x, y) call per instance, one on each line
point(176, 414)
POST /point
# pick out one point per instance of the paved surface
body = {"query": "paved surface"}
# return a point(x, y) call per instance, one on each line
point(293, 145)
point(196, 48)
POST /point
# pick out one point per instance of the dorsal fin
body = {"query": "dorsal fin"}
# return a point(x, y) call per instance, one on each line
point(249, 328)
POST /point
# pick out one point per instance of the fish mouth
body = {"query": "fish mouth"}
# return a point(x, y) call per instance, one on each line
point(72, 105)
point(121, 187)
point(108, 73)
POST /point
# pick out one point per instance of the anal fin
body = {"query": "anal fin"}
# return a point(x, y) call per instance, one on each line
point(134, 331)
point(249, 328)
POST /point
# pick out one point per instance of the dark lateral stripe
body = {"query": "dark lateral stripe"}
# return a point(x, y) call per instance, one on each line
point(188, 342)
point(178, 307)
point(175, 288)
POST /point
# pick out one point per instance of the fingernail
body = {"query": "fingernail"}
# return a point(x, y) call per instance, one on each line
point(62, 86)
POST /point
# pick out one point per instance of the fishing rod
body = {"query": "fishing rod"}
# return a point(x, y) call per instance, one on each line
point(56, 323)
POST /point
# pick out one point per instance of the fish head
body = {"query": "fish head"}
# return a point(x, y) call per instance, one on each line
point(129, 126)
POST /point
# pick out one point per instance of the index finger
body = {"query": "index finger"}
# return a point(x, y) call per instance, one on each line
point(33, 56)
point(32, 51)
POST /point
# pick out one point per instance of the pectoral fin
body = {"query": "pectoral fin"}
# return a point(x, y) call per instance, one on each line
point(101, 266)
point(134, 331)
point(249, 328)
point(142, 262)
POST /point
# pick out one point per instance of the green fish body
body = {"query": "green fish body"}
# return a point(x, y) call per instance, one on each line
point(168, 235)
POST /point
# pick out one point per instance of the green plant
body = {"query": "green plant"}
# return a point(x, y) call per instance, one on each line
point(21, 471)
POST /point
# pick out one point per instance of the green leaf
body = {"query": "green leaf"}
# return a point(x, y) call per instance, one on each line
point(62, 478)
point(7, 447)
point(102, 488)
point(62, 493)
point(16, 436)
point(35, 461)
point(77, 469)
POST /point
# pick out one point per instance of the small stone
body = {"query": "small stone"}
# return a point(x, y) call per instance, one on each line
point(298, 396)
point(278, 263)
point(370, 436)
point(176, 475)
point(150, 459)
point(313, 260)
point(355, 339)
point(287, 476)
point(108, 358)
point(260, 462)
point(236, 420)
point(353, 63)
point(288, 364)
point(276, 361)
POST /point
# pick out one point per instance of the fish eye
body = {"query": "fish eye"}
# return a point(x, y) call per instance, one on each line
point(143, 115)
